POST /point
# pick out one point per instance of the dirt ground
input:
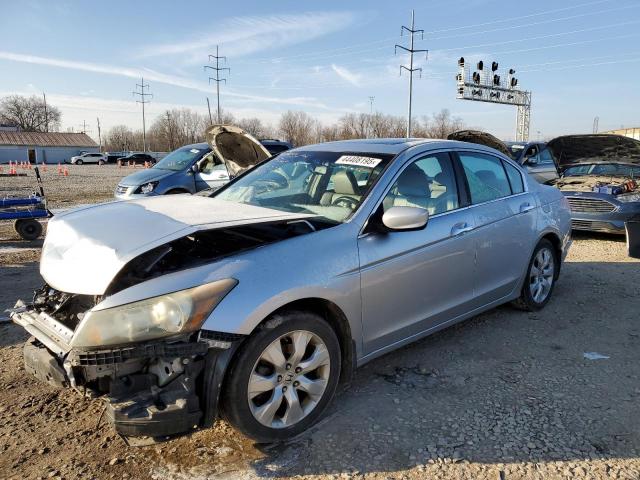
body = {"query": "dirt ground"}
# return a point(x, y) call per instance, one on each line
point(506, 395)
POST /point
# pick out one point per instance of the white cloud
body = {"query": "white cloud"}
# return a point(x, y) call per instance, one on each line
point(154, 76)
point(351, 77)
point(245, 35)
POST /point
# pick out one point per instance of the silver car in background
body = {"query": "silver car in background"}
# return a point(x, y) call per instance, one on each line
point(257, 302)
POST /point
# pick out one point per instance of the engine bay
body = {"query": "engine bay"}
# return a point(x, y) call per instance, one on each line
point(612, 185)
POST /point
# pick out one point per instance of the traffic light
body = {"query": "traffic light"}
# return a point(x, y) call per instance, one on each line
point(494, 66)
point(514, 82)
point(496, 80)
point(461, 62)
point(480, 65)
point(476, 78)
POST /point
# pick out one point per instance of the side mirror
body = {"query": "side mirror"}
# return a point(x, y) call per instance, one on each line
point(405, 218)
point(531, 161)
point(195, 168)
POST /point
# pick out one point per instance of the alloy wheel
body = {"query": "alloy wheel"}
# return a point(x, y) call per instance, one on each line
point(289, 379)
point(541, 275)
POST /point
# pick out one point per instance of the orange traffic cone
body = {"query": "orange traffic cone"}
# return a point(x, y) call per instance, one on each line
point(30, 167)
point(44, 167)
point(66, 172)
point(59, 169)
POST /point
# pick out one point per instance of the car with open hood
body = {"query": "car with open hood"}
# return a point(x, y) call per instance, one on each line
point(600, 176)
point(197, 167)
point(534, 156)
point(256, 301)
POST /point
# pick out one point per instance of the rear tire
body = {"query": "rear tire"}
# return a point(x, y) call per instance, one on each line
point(100, 162)
point(274, 391)
point(28, 228)
point(541, 278)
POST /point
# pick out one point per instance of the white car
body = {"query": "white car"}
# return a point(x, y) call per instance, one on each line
point(99, 158)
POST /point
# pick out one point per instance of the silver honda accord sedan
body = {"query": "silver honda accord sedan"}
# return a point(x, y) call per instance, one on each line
point(256, 302)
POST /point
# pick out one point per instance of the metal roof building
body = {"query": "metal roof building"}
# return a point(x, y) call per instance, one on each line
point(41, 147)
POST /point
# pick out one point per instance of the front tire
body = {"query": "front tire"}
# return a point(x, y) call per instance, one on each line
point(78, 162)
point(284, 377)
point(541, 278)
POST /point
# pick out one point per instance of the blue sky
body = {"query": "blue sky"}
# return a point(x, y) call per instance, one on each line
point(580, 58)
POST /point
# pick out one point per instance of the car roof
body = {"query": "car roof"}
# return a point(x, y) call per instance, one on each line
point(391, 146)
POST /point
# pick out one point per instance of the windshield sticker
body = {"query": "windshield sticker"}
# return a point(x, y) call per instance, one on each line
point(194, 150)
point(357, 161)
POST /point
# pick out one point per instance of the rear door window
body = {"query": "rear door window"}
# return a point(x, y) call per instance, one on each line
point(486, 177)
point(515, 178)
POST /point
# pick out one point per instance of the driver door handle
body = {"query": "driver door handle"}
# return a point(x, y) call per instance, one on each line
point(460, 228)
point(525, 207)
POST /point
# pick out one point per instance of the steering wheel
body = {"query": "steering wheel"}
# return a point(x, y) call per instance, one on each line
point(346, 202)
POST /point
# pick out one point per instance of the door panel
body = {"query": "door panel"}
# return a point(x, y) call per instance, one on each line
point(412, 281)
point(504, 224)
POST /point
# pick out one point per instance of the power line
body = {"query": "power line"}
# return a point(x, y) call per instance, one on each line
point(330, 52)
point(217, 69)
point(143, 100)
point(410, 68)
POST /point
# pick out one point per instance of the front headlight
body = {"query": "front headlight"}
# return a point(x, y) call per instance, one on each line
point(148, 187)
point(157, 317)
point(632, 197)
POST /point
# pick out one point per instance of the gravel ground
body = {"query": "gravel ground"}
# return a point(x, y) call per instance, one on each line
point(506, 395)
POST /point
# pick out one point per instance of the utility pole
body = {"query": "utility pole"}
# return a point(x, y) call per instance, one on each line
point(412, 31)
point(371, 99)
point(83, 127)
point(217, 69)
point(99, 136)
point(171, 130)
point(46, 114)
point(596, 120)
point(143, 99)
point(209, 108)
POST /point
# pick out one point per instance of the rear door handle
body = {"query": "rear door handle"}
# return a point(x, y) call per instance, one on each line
point(460, 228)
point(525, 207)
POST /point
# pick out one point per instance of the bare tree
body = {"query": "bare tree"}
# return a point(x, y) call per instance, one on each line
point(298, 128)
point(255, 127)
point(442, 124)
point(29, 113)
point(119, 139)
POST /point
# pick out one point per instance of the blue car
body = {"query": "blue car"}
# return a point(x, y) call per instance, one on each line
point(600, 177)
point(200, 166)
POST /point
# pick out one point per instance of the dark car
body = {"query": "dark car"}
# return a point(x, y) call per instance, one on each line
point(275, 146)
point(600, 176)
point(137, 159)
point(532, 155)
point(535, 157)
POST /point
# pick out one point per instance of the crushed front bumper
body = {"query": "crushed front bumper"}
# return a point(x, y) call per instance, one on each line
point(152, 389)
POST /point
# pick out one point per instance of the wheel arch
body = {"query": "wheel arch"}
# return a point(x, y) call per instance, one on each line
point(336, 319)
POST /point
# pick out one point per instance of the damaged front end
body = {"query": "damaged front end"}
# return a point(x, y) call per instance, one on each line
point(154, 388)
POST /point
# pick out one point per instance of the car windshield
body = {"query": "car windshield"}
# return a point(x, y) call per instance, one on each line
point(616, 169)
point(331, 185)
point(181, 158)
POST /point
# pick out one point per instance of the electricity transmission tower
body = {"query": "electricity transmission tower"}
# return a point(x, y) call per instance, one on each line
point(143, 100)
point(217, 69)
point(371, 99)
point(412, 31)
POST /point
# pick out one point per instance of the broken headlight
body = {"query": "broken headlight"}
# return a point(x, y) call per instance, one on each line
point(148, 187)
point(178, 312)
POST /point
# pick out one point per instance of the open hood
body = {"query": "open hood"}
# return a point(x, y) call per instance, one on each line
point(570, 150)
point(481, 138)
point(85, 248)
point(239, 150)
